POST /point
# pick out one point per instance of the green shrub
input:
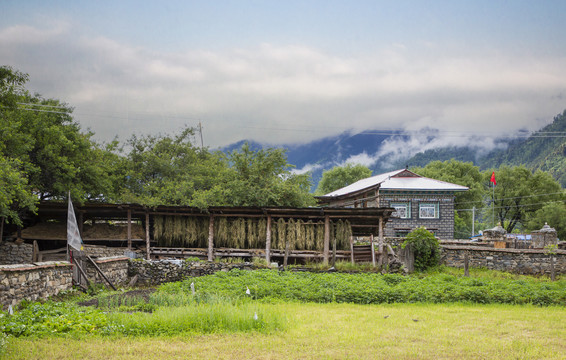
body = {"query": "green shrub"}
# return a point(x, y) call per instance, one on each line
point(425, 246)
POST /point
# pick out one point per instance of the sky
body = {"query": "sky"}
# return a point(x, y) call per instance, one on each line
point(294, 71)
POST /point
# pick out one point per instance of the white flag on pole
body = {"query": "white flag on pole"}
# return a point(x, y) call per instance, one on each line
point(73, 235)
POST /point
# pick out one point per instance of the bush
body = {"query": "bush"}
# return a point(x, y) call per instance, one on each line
point(425, 247)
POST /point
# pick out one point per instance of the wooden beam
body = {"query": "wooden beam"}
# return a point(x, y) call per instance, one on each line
point(380, 248)
point(372, 251)
point(147, 236)
point(352, 249)
point(211, 238)
point(268, 241)
point(129, 229)
point(326, 239)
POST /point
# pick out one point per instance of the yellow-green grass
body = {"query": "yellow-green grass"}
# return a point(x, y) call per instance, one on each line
point(344, 331)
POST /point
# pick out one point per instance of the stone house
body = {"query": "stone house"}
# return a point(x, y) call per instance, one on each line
point(417, 200)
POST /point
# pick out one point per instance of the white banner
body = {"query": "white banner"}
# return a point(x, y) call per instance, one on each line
point(73, 235)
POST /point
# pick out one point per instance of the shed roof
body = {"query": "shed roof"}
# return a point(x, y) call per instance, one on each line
point(402, 179)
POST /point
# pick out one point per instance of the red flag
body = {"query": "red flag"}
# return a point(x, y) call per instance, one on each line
point(493, 178)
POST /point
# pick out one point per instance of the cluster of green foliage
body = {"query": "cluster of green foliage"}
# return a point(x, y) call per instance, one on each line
point(425, 247)
point(162, 315)
point(341, 176)
point(44, 154)
point(371, 288)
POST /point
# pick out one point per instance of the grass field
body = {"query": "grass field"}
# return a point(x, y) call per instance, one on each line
point(343, 331)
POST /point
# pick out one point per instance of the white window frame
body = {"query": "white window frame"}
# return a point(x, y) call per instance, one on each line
point(428, 206)
point(405, 205)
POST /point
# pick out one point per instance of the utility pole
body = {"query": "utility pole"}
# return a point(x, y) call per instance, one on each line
point(200, 131)
point(473, 220)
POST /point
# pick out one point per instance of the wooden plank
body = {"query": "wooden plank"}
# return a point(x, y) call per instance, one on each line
point(268, 241)
point(148, 256)
point(372, 251)
point(326, 239)
point(129, 229)
point(352, 248)
point(211, 238)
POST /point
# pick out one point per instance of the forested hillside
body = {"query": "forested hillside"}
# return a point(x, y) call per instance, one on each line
point(544, 150)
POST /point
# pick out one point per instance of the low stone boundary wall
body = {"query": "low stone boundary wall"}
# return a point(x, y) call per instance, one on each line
point(520, 261)
point(42, 280)
point(156, 272)
point(33, 281)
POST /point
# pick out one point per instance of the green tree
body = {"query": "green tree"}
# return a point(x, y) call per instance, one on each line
point(15, 191)
point(461, 173)
point(264, 178)
point(425, 246)
point(552, 213)
point(169, 170)
point(518, 194)
point(341, 176)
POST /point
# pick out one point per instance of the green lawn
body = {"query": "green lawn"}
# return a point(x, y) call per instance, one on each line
point(343, 331)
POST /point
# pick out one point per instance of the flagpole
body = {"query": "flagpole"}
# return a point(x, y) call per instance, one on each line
point(493, 203)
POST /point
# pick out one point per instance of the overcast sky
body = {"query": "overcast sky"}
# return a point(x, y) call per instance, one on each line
point(293, 71)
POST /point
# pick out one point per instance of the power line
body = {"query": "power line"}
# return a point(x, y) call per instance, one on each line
point(508, 198)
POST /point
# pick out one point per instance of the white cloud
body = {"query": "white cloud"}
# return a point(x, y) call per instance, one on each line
point(286, 93)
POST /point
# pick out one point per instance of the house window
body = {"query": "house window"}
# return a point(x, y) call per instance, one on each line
point(428, 210)
point(402, 210)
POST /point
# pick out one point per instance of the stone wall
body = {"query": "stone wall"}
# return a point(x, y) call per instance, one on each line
point(33, 281)
point(161, 271)
point(15, 253)
point(443, 226)
point(520, 261)
point(42, 280)
point(114, 268)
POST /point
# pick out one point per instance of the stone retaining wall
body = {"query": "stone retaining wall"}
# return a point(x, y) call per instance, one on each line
point(520, 261)
point(33, 281)
point(161, 271)
point(14, 253)
point(42, 280)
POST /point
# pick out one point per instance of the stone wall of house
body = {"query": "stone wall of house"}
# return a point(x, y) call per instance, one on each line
point(42, 280)
point(443, 227)
point(155, 272)
point(520, 261)
point(15, 253)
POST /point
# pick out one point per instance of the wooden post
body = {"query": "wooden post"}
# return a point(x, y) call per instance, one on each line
point(286, 256)
point(1, 228)
point(466, 265)
point(129, 229)
point(552, 270)
point(211, 238)
point(334, 251)
point(80, 220)
point(352, 249)
point(148, 255)
point(372, 250)
point(268, 241)
point(326, 239)
point(35, 254)
point(380, 248)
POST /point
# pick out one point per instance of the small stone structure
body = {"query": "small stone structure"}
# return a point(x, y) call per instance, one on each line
point(496, 236)
point(544, 237)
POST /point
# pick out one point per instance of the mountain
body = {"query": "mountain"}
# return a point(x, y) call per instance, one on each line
point(544, 150)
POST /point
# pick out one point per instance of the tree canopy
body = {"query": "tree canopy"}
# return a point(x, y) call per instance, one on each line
point(341, 176)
